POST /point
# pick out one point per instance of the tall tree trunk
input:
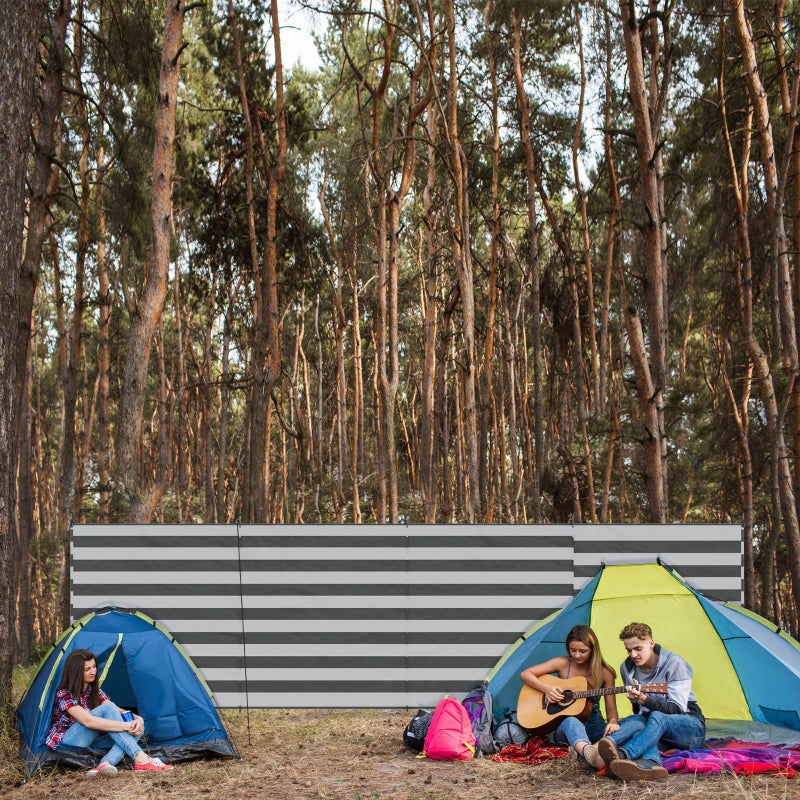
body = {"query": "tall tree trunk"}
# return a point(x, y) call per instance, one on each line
point(442, 413)
point(758, 358)
point(181, 460)
point(537, 432)
point(19, 30)
point(266, 338)
point(46, 142)
point(789, 99)
point(339, 330)
point(70, 344)
point(223, 505)
point(591, 327)
point(429, 283)
point(103, 452)
point(254, 491)
point(26, 519)
point(43, 182)
point(647, 106)
point(105, 305)
point(208, 415)
point(780, 252)
point(357, 468)
point(430, 287)
point(491, 438)
point(605, 366)
point(144, 491)
point(740, 406)
point(578, 370)
point(462, 257)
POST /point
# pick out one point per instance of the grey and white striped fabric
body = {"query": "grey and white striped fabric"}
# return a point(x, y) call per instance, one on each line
point(353, 615)
point(710, 557)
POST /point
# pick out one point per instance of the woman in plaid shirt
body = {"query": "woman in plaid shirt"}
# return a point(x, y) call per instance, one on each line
point(83, 715)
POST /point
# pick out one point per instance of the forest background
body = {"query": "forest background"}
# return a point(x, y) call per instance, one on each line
point(491, 261)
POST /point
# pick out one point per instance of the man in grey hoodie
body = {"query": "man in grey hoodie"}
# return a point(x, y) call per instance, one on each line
point(665, 721)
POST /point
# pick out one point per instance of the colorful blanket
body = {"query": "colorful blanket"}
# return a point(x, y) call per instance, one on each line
point(735, 755)
point(716, 755)
point(535, 751)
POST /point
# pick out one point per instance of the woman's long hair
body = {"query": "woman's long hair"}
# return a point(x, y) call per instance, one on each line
point(585, 635)
point(72, 676)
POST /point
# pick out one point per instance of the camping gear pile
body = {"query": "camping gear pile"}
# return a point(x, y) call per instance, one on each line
point(141, 668)
point(456, 731)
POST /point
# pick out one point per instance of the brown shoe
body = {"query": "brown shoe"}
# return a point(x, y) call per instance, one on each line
point(607, 750)
point(637, 771)
point(592, 757)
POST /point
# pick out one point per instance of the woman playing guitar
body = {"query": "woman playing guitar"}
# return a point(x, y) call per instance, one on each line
point(583, 660)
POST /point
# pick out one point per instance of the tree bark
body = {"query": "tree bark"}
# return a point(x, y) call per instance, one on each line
point(606, 407)
point(430, 287)
point(43, 183)
point(647, 105)
point(462, 257)
point(144, 491)
point(103, 357)
point(266, 356)
point(537, 432)
point(491, 435)
point(339, 328)
point(780, 250)
point(588, 267)
point(740, 406)
point(19, 30)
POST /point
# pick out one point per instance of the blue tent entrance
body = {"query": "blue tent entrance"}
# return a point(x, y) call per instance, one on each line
point(141, 667)
point(745, 670)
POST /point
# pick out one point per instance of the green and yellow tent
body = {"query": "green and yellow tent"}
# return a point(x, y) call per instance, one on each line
point(745, 668)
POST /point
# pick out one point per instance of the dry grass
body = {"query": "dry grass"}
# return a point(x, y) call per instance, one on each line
point(313, 754)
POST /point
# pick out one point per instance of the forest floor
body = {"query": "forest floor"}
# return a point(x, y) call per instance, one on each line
point(334, 754)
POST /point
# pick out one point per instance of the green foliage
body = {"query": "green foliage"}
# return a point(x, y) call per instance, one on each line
point(197, 432)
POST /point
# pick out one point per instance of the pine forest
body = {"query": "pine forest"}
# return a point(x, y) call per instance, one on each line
point(488, 261)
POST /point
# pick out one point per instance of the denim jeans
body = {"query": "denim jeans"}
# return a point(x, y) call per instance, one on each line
point(121, 743)
point(641, 735)
point(571, 730)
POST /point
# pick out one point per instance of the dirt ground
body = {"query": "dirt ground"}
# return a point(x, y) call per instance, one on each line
point(313, 754)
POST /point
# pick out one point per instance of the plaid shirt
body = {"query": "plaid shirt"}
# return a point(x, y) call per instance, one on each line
point(62, 720)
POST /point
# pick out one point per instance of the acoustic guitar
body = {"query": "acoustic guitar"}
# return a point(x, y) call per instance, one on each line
point(536, 713)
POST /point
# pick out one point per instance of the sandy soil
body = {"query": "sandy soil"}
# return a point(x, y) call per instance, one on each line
point(312, 754)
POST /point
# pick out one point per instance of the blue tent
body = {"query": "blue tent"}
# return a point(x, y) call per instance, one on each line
point(746, 671)
point(141, 668)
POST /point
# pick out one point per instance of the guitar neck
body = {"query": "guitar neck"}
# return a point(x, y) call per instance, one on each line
point(603, 691)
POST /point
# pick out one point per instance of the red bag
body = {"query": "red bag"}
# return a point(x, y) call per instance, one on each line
point(449, 736)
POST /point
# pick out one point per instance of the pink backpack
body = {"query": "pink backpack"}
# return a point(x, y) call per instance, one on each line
point(449, 736)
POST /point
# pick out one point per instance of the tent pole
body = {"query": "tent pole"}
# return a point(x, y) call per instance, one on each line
point(241, 614)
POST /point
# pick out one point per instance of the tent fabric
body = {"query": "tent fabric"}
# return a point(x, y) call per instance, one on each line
point(744, 668)
point(142, 668)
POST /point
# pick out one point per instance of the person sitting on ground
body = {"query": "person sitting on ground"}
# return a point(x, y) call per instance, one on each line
point(583, 659)
point(665, 721)
point(83, 715)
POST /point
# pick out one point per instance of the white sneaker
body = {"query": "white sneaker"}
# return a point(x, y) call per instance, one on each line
point(104, 768)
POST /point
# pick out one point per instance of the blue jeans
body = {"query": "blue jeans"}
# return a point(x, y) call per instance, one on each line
point(121, 743)
point(641, 735)
point(571, 730)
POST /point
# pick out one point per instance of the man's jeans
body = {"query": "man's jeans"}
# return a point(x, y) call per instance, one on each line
point(641, 735)
point(82, 738)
